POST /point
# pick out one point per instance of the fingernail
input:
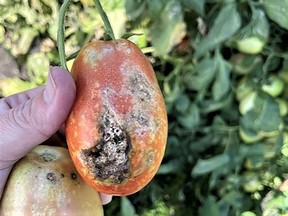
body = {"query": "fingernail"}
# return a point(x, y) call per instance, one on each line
point(105, 198)
point(50, 88)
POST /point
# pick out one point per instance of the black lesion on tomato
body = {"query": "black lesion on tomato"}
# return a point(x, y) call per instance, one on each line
point(108, 159)
point(140, 88)
point(52, 177)
point(73, 176)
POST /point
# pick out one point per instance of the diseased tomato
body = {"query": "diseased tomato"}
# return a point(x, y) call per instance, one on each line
point(45, 182)
point(117, 129)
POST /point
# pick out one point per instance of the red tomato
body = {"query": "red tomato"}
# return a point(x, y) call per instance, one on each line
point(117, 129)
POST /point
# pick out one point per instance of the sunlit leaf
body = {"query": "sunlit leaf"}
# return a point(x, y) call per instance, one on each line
point(9, 86)
point(169, 29)
point(118, 20)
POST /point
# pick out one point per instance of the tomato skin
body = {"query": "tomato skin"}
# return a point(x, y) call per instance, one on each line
point(116, 82)
point(45, 182)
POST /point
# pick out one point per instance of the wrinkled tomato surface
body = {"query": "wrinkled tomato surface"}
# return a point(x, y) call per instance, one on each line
point(117, 129)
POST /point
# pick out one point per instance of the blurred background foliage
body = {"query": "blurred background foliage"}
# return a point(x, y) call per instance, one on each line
point(222, 66)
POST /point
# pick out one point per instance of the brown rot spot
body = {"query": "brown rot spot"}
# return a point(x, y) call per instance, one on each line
point(48, 157)
point(149, 158)
point(108, 159)
point(141, 118)
point(139, 86)
point(52, 177)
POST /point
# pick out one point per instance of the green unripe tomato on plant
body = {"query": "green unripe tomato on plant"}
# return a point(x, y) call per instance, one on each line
point(249, 137)
point(274, 87)
point(247, 102)
point(283, 106)
point(250, 45)
point(248, 213)
point(243, 88)
point(251, 182)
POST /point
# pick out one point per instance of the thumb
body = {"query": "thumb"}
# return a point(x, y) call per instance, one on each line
point(32, 122)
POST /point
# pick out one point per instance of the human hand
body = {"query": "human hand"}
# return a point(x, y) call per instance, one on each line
point(29, 118)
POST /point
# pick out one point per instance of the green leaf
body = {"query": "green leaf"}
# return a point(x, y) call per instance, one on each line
point(182, 103)
point(202, 75)
point(258, 26)
point(277, 11)
point(138, 37)
point(171, 90)
point(230, 199)
point(172, 166)
point(134, 9)
point(209, 207)
point(127, 209)
point(208, 165)
point(252, 38)
point(264, 118)
point(191, 118)
point(196, 5)
point(210, 105)
point(169, 29)
point(155, 8)
point(226, 24)
point(221, 84)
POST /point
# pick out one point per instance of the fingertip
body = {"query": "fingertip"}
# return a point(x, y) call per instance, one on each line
point(62, 98)
point(61, 72)
point(64, 81)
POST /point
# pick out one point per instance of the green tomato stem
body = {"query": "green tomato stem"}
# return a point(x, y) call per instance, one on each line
point(105, 20)
point(60, 34)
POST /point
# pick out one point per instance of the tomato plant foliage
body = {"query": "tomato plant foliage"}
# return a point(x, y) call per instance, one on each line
point(222, 66)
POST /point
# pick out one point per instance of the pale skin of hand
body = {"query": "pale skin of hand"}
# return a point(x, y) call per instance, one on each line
point(29, 118)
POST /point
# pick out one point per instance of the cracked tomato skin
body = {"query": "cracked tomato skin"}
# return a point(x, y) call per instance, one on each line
point(117, 129)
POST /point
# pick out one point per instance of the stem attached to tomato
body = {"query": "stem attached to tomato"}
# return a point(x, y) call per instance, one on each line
point(60, 34)
point(105, 20)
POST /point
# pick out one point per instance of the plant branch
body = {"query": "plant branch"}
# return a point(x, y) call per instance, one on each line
point(105, 20)
point(60, 34)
